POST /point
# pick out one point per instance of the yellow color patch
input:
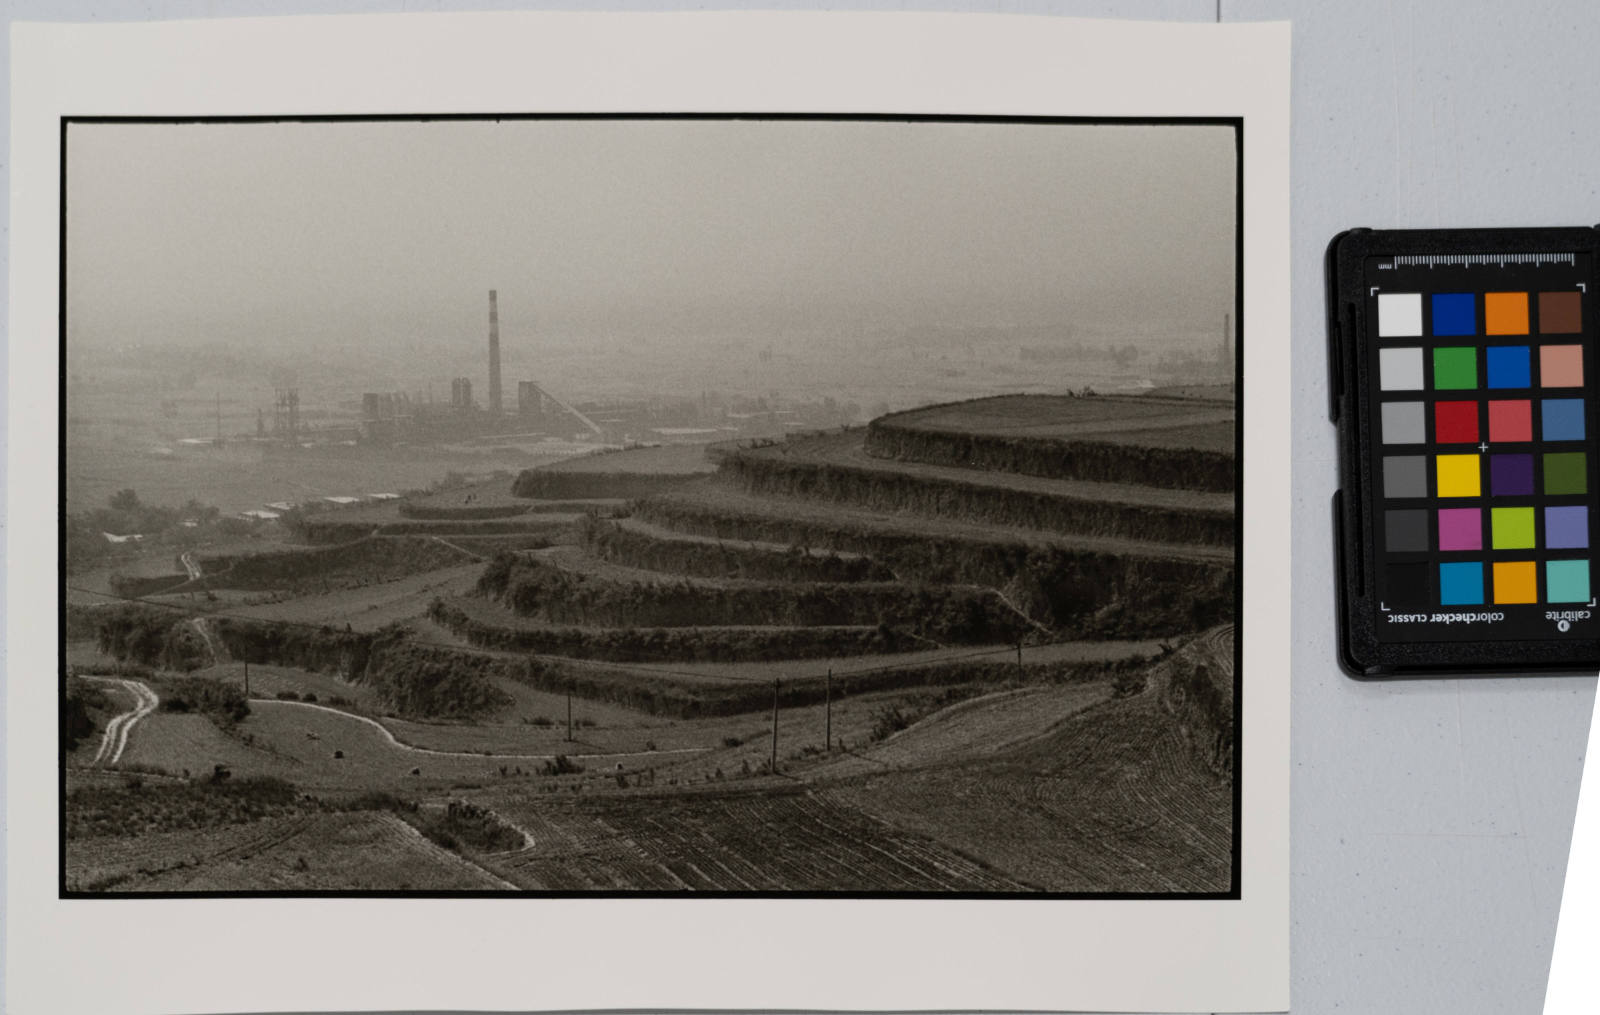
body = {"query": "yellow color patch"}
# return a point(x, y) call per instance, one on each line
point(1516, 581)
point(1458, 475)
point(1505, 313)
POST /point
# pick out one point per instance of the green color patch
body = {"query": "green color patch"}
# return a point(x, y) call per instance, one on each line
point(1455, 367)
point(1512, 527)
point(1565, 473)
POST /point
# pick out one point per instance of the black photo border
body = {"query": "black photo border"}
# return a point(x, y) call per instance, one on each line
point(1236, 123)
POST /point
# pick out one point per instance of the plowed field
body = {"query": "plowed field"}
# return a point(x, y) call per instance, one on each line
point(773, 841)
point(1110, 801)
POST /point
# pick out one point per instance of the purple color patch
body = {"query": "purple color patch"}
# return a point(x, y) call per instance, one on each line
point(1566, 528)
point(1510, 475)
point(1460, 529)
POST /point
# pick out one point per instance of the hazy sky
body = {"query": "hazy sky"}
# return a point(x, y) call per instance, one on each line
point(365, 233)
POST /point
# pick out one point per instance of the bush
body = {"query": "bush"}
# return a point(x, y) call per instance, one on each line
point(560, 765)
point(287, 696)
point(76, 722)
point(889, 720)
point(223, 704)
point(468, 823)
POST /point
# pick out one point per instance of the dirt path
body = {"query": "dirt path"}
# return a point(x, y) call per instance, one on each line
point(212, 646)
point(115, 739)
point(392, 741)
point(189, 565)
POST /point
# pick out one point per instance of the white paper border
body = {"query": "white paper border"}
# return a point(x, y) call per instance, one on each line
point(185, 956)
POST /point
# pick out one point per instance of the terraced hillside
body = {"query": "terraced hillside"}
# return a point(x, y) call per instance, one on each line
point(1181, 443)
point(975, 647)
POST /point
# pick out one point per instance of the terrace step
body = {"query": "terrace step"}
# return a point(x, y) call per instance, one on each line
point(567, 585)
point(637, 543)
point(837, 468)
point(725, 512)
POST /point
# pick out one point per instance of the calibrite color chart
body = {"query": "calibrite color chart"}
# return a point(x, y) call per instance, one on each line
point(1480, 372)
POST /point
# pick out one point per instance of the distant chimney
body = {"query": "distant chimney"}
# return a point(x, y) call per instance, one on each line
point(494, 355)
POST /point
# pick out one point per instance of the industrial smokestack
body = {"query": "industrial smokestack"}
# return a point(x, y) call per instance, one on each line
point(494, 355)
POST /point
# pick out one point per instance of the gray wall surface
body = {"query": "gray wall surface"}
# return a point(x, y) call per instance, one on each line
point(1430, 819)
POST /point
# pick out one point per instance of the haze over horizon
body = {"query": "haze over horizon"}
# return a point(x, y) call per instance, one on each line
point(383, 235)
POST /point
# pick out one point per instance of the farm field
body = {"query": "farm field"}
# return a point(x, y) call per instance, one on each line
point(863, 674)
point(845, 450)
point(309, 853)
point(1107, 803)
point(1150, 419)
point(733, 514)
point(369, 607)
point(779, 840)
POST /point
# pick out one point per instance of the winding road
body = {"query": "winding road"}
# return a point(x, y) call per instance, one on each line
point(478, 755)
point(115, 739)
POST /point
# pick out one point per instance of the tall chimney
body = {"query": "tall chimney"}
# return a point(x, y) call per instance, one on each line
point(494, 355)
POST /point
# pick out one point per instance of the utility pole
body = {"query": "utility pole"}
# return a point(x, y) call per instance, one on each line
point(219, 418)
point(247, 679)
point(1019, 660)
point(774, 726)
point(569, 713)
point(827, 728)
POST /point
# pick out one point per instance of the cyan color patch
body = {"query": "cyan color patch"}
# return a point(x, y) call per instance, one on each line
point(1454, 314)
point(1461, 583)
point(1508, 366)
point(1566, 581)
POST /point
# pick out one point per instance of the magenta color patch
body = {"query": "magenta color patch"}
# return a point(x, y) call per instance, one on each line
point(1460, 529)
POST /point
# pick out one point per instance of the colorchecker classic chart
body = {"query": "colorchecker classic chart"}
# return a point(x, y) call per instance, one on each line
point(1471, 486)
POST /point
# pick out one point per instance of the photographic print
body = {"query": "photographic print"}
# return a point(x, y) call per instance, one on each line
point(637, 505)
point(503, 521)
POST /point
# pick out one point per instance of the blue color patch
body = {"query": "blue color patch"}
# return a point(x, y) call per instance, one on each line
point(1461, 583)
point(1561, 419)
point(1508, 366)
point(1453, 314)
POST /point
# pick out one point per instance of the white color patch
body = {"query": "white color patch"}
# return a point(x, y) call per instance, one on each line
point(1399, 315)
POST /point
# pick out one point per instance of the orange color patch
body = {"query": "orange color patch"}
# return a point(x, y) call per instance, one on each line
point(1516, 581)
point(1505, 313)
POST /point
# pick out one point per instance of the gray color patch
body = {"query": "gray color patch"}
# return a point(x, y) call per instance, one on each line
point(1405, 531)
point(1403, 423)
point(1405, 476)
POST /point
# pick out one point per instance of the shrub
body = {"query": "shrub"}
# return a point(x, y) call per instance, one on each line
point(223, 704)
point(464, 822)
point(889, 720)
point(560, 765)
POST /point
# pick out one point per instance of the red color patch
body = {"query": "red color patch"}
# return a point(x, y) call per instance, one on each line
point(1455, 422)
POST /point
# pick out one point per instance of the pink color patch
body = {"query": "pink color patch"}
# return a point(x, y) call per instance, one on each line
point(1460, 529)
point(1561, 366)
point(1510, 420)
